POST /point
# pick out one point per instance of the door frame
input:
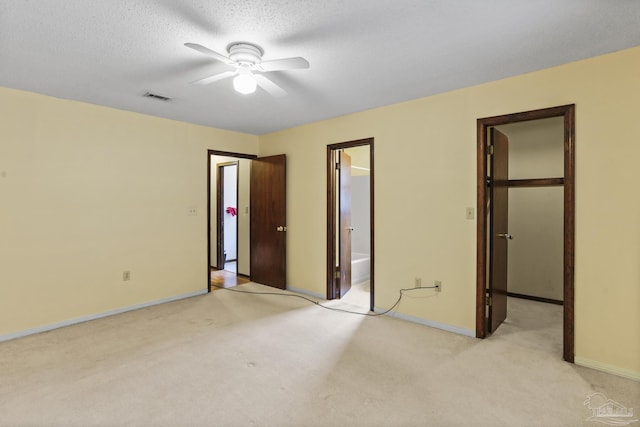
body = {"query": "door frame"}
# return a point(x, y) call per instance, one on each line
point(331, 216)
point(220, 261)
point(483, 124)
point(209, 154)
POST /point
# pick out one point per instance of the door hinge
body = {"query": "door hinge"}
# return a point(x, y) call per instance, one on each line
point(490, 150)
point(337, 165)
point(337, 275)
point(489, 301)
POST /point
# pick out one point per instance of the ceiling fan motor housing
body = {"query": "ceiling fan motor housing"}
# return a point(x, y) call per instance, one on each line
point(245, 53)
point(245, 65)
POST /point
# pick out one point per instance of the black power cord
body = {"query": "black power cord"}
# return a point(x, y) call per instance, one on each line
point(324, 306)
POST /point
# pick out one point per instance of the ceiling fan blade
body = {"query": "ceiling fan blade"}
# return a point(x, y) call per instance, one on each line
point(214, 78)
point(269, 86)
point(284, 64)
point(209, 52)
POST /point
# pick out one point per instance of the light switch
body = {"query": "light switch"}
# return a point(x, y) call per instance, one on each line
point(470, 213)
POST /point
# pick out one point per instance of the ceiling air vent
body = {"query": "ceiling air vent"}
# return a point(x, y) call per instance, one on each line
point(156, 96)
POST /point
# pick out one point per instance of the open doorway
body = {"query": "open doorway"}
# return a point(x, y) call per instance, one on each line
point(551, 187)
point(350, 234)
point(536, 209)
point(259, 214)
point(228, 218)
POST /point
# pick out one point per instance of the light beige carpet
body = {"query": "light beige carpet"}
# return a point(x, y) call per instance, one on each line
point(230, 359)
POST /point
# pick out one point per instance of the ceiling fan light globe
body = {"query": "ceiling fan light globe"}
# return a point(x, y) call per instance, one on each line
point(244, 83)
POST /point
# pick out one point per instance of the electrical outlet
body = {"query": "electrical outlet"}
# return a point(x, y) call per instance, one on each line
point(126, 276)
point(417, 282)
point(438, 285)
point(193, 211)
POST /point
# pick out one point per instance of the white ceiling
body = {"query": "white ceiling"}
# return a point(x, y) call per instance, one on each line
point(363, 53)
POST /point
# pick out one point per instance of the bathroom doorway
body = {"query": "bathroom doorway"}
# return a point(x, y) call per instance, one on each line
point(350, 231)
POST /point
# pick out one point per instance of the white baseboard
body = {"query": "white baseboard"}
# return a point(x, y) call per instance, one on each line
point(306, 292)
point(77, 320)
point(621, 372)
point(431, 323)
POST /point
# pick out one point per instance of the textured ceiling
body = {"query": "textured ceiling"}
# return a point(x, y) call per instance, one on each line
point(363, 53)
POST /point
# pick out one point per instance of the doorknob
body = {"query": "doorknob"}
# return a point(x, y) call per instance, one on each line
point(506, 236)
point(281, 228)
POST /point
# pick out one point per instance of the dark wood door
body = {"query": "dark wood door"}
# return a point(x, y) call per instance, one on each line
point(268, 221)
point(498, 228)
point(345, 223)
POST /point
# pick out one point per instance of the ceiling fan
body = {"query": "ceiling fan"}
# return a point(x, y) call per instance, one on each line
point(246, 64)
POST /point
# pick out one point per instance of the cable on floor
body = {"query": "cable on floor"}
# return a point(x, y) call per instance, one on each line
point(324, 306)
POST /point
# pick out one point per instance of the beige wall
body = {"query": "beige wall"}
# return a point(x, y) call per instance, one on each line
point(535, 259)
point(244, 217)
point(360, 199)
point(359, 160)
point(425, 176)
point(88, 192)
point(536, 148)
